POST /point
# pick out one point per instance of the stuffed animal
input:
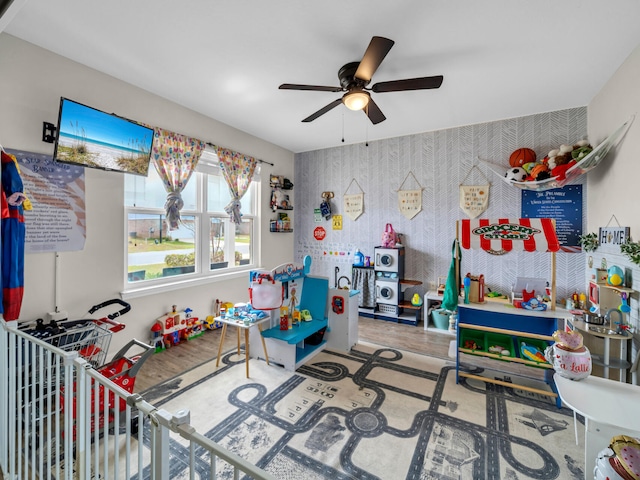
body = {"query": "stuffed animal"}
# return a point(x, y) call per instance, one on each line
point(539, 172)
point(581, 149)
point(560, 171)
point(566, 153)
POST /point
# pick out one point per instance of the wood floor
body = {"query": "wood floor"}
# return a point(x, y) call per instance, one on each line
point(173, 361)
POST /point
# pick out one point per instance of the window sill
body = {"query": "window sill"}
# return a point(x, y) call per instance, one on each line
point(143, 291)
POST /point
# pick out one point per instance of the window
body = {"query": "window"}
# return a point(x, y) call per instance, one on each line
point(206, 244)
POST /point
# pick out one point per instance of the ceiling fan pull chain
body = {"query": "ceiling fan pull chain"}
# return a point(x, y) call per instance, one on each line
point(343, 127)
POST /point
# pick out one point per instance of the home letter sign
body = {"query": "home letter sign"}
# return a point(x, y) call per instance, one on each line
point(613, 235)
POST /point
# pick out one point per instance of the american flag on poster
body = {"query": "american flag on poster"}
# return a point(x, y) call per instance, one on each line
point(57, 222)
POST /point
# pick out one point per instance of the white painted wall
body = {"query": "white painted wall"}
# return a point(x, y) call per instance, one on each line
point(31, 84)
point(614, 189)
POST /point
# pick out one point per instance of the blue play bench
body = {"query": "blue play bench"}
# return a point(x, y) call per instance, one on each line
point(291, 348)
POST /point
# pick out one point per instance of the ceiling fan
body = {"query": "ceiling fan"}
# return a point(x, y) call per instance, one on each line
point(354, 78)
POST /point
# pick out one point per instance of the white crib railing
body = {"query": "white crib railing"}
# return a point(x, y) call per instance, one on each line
point(62, 419)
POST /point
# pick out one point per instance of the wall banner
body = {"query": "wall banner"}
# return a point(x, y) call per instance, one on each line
point(474, 199)
point(410, 202)
point(353, 205)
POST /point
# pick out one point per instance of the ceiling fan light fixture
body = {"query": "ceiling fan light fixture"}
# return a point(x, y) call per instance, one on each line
point(356, 99)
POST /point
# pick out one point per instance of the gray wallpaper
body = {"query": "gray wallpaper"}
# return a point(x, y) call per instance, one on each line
point(440, 162)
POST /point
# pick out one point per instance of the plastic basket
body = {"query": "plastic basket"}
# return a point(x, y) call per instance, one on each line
point(472, 337)
point(500, 344)
point(532, 343)
point(392, 309)
point(440, 318)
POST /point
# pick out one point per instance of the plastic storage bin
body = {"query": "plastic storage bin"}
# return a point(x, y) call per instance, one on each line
point(532, 349)
point(501, 345)
point(441, 318)
point(472, 340)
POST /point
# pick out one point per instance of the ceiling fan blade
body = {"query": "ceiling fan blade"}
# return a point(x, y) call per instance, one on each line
point(374, 113)
point(376, 51)
point(318, 88)
point(422, 83)
point(323, 110)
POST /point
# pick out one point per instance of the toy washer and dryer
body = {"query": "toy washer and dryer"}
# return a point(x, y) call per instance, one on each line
point(389, 270)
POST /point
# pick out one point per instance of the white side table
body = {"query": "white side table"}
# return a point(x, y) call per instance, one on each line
point(609, 409)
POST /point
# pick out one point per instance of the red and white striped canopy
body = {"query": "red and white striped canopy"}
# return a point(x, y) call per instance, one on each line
point(505, 235)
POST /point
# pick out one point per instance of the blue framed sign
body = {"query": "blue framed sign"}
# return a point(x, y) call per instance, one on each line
point(562, 204)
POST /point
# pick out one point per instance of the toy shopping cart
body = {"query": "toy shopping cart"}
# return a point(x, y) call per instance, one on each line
point(89, 337)
point(122, 371)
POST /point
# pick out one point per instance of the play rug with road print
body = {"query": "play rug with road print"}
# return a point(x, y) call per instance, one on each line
point(374, 413)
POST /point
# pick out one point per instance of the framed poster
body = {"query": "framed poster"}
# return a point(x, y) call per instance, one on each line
point(564, 205)
point(57, 222)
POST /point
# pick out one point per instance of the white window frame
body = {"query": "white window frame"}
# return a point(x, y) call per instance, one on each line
point(203, 273)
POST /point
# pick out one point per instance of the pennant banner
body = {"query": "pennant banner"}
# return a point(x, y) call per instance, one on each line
point(353, 205)
point(410, 202)
point(474, 199)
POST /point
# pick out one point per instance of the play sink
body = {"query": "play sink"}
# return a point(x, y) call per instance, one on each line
point(607, 331)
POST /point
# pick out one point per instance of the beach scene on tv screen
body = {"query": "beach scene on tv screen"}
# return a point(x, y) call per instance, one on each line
point(97, 139)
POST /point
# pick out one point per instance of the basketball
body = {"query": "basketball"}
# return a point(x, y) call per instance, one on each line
point(522, 156)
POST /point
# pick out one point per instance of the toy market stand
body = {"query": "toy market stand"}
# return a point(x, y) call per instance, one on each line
point(482, 327)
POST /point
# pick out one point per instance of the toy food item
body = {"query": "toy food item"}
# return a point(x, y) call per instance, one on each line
point(471, 345)
point(521, 156)
point(499, 350)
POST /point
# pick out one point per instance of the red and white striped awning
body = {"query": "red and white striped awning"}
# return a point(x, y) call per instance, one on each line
point(505, 235)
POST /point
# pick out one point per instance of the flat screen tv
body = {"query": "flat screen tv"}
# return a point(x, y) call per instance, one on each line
point(96, 139)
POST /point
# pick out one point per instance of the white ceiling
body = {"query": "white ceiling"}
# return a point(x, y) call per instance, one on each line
point(226, 58)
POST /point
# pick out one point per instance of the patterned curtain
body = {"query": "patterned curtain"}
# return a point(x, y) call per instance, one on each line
point(238, 171)
point(175, 158)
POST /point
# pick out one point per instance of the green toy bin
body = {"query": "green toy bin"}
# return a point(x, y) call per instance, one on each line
point(475, 336)
point(501, 345)
point(540, 345)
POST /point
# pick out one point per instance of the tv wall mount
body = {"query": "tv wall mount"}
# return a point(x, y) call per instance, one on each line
point(48, 132)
